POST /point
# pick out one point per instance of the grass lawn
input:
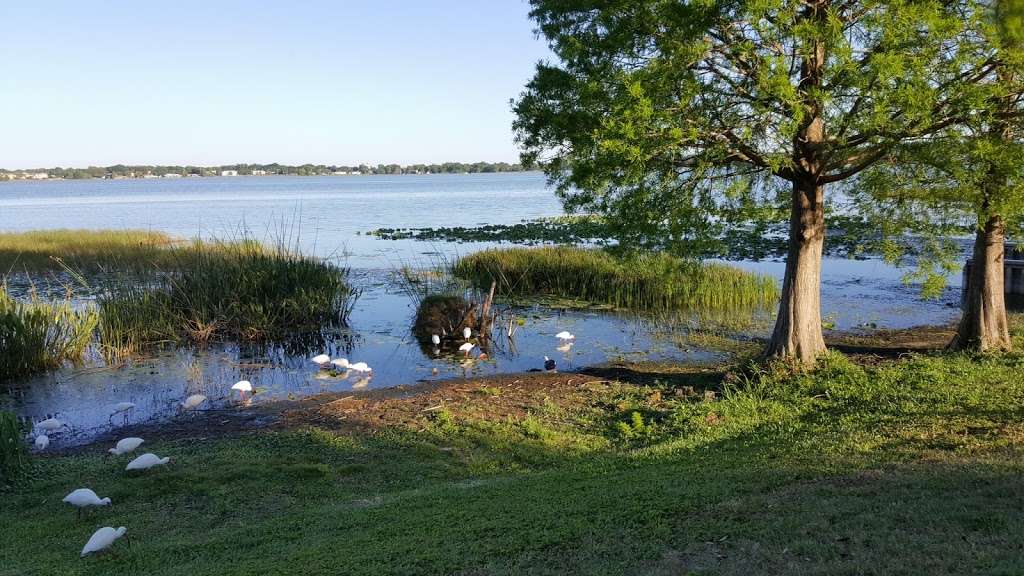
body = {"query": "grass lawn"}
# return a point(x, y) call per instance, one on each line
point(906, 467)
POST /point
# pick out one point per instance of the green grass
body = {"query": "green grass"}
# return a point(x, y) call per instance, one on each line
point(639, 281)
point(36, 336)
point(239, 290)
point(39, 250)
point(912, 467)
point(12, 448)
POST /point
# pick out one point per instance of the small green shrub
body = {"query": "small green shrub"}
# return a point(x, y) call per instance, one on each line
point(12, 447)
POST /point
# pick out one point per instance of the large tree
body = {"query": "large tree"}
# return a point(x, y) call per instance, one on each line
point(676, 115)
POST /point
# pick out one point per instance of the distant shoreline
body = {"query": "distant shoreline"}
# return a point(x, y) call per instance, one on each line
point(124, 172)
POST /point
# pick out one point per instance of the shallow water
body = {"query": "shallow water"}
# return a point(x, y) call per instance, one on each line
point(331, 216)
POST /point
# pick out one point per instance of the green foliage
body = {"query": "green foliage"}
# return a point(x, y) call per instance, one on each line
point(13, 453)
point(36, 336)
point(637, 281)
point(226, 290)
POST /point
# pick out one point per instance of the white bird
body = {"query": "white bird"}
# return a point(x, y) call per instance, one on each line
point(467, 347)
point(50, 425)
point(341, 363)
point(84, 497)
point(242, 386)
point(361, 367)
point(147, 461)
point(435, 339)
point(564, 335)
point(102, 539)
point(126, 445)
point(123, 408)
point(42, 441)
point(193, 402)
point(321, 360)
point(466, 332)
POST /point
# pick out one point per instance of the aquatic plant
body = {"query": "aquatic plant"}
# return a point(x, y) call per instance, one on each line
point(241, 290)
point(38, 250)
point(36, 336)
point(12, 447)
point(649, 281)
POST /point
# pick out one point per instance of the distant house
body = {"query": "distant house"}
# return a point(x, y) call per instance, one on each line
point(38, 175)
point(259, 172)
point(229, 172)
point(172, 175)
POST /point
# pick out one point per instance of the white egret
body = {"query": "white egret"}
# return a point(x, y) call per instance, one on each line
point(102, 539)
point(565, 335)
point(467, 347)
point(361, 367)
point(126, 445)
point(340, 363)
point(42, 441)
point(124, 408)
point(242, 386)
point(84, 497)
point(466, 332)
point(321, 360)
point(147, 461)
point(50, 425)
point(435, 339)
point(193, 402)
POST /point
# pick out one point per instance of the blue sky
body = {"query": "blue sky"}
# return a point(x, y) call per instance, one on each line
point(217, 82)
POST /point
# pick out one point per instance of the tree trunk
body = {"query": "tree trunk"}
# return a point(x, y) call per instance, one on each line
point(797, 331)
point(984, 325)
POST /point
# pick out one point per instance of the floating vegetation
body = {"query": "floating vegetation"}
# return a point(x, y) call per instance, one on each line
point(242, 291)
point(646, 281)
point(847, 237)
point(36, 336)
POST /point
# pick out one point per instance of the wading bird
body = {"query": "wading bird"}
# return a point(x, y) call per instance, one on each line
point(361, 367)
point(242, 386)
point(321, 360)
point(126, 445)
point(466, 332)
point(193, 402)
point(435, 339)
point(50, 425)
point(123, 408)
point(83, 498)
point(102, 539)
point(147, 461)
point(42, 441)
point(565, 335)
point(467, 347)
point(340, 363)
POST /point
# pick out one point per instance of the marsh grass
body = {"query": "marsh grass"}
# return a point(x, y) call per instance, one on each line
point(36, 336)
point(219, 290)
point(646, 281)
point(12, 447)
point(84, 250)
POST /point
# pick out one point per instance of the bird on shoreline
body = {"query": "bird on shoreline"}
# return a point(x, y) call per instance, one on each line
point(83, 498)
point(467, 332)
point(360, 367)
point(549, 364)
point(467, 347)
point(147, 461)
point(42, 441)
point(193, 402)
point(126, 445)
point(123, 408)
point(321, 360)
point(340, 363)
point(103, 539)
point(435, 339)
point(50, 425)
point(242, 386)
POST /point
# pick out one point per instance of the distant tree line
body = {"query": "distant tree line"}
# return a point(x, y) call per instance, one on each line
point(121, 170)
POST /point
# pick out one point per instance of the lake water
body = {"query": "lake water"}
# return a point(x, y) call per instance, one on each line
point(329, 217)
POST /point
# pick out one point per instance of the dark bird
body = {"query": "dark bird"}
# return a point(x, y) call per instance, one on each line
point(549, 364)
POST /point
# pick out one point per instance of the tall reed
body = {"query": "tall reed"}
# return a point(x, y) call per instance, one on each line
point(645, 281)
point(36, 336)
point(218, 290)
point(12, 447)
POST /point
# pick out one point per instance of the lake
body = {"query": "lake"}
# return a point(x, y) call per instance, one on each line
point(329, 217)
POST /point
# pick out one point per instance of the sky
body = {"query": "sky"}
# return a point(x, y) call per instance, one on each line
point(223, 81)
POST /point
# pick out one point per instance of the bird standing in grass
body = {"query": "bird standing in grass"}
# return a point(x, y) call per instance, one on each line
point(126, 445)
point(147, 461)
point(193, 402)
point(102, 539)
point(242, 386)
point(83, 498)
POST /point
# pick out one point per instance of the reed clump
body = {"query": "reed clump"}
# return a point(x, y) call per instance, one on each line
point(36, 336)
point(220, 290)
point(642, 281)
point(13, 454)
point(83, 250)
